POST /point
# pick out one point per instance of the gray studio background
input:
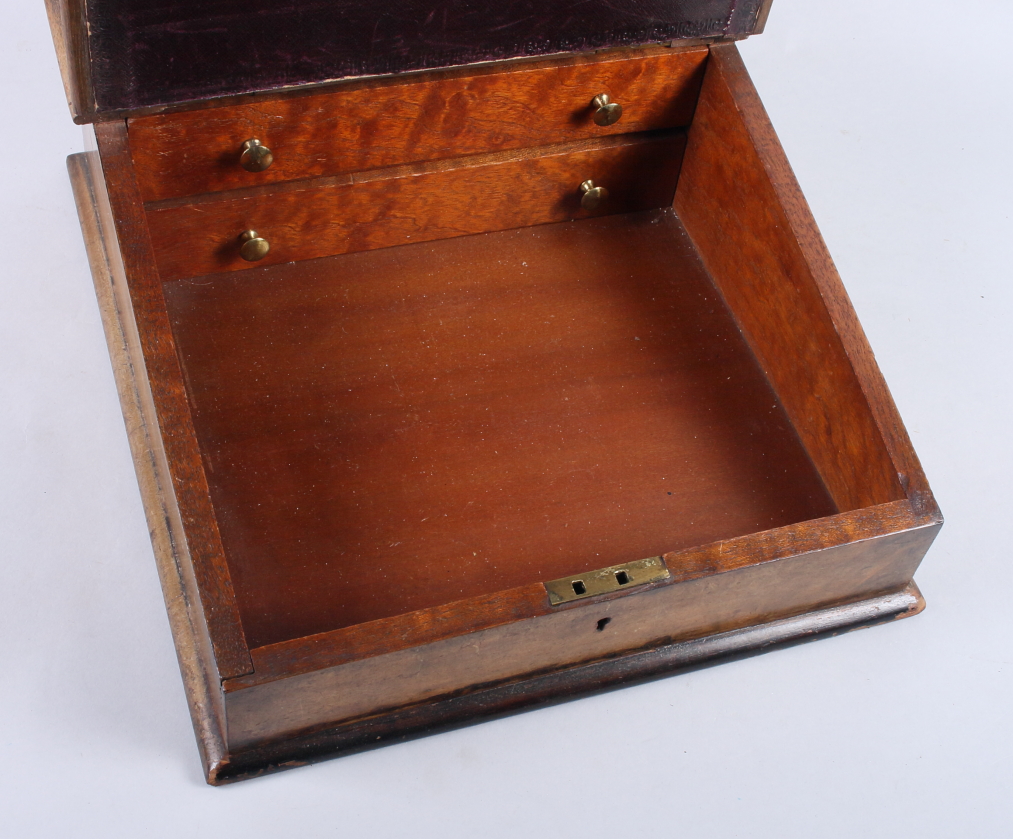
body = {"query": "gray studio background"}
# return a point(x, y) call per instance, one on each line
point(897, 119)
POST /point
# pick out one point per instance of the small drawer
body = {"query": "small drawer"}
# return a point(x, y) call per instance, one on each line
point(359, 127)
point(204, 236)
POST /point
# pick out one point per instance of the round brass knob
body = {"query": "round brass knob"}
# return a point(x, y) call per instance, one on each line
point(255, 156)
point(592, 195)
point(253, 247)
point(606, 111)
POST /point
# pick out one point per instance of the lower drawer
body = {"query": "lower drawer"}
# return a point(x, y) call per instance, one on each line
point(394, 207)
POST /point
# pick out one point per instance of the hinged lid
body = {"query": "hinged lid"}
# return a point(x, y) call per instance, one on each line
point(122, 56)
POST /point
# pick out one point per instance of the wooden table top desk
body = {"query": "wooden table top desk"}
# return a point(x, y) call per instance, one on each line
point(467, 367)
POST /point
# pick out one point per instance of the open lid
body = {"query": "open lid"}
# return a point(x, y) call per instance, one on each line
point(123, 56)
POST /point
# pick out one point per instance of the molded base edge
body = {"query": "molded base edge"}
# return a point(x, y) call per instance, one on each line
point(483, 703)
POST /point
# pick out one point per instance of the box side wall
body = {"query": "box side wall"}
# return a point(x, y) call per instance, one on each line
point(741, 204)
point(556, 686)
point(171, 424)
point(559, 639)
point(189, 629)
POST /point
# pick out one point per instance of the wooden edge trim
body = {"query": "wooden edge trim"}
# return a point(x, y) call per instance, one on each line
point(446, 713)
point(427, 626)
point(69, 27)
point(160, 378)
point(810, 242)
point(735, 215)
point(761, 16)
point(196, 663)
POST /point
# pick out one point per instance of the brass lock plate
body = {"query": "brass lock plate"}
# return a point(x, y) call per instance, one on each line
point(606, 580)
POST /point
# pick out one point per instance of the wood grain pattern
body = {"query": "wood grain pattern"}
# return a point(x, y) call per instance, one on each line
point(197, 664)
point(709, 606)
point(742, 207)
point(396, 429)
point(66, 23)
point(826, 279)
point(356, 128)
point(157, 358)
point(427, 626)
point(363, 464)
point(486, 702)
point(640, 172)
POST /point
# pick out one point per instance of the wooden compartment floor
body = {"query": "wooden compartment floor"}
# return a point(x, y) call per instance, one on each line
point(396, 429)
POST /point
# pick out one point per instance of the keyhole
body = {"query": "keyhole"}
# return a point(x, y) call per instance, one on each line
point(603, 623)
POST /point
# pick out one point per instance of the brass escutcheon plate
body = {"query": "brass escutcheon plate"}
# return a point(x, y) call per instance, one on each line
point(607, 580)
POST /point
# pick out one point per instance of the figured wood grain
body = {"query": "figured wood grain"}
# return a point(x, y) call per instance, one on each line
point(355, 128)
point(201, 679)
point(396, 429)
point(428, 626)
point(610, 365)
point(827, 280)
point(191, 239)
point(742, 207)
point(157, 363)
point(666, 614)
point(487, 702)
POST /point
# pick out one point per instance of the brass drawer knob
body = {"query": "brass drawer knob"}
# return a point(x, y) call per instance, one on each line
point(592, 195)
point(606, 111)
point(253, 247)
point(255, 156)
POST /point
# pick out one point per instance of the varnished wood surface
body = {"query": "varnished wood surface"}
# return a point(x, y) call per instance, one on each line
point(156, 361)
point(66, 23)
point(825, 277)
point(743, 208)
point(396, 429)
point(191, 239)
point(355, 128)
point(427, 626)
point(201, 678)
point(284, 376)
point(709, 606)
point(486, 702)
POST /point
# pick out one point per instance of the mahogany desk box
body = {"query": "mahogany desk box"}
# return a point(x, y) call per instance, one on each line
point(472, 356)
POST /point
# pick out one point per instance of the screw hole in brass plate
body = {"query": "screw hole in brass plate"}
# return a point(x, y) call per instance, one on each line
point(606, 580)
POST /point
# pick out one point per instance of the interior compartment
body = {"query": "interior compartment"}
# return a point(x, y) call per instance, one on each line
point(395, 429)
point(401, 428)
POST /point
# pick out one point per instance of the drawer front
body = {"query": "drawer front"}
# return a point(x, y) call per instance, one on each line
point(356, 128)
point(203, 236)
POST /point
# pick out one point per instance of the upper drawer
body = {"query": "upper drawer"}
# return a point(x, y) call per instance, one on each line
point(360, 127)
